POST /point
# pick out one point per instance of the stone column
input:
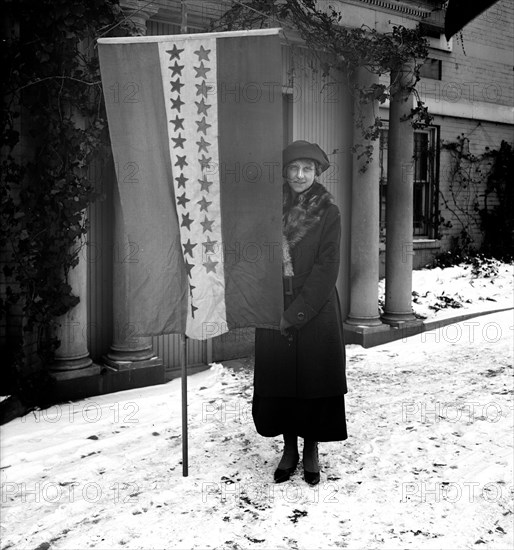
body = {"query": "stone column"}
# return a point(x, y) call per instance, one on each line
point(72, 356)
point(365, 218)
point(399, 201)
point(127, 351)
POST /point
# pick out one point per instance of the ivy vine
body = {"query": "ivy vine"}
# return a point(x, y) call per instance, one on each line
point(53, 128)
point(496, 219)
point(348, 49)
point(480, 195)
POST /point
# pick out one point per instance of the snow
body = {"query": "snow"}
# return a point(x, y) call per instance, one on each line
point(441, 293)
point(427, 465)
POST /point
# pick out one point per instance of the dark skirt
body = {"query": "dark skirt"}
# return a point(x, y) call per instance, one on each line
point(318, 419)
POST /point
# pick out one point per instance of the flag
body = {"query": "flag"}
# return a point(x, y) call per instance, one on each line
point(196, 133)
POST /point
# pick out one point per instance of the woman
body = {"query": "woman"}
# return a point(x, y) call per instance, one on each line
point(300, 381)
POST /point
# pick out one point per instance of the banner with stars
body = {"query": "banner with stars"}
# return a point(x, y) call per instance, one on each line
point(196, 134)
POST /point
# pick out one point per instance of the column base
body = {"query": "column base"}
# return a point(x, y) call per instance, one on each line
point(123, 364)
point(365, 336)
point(71, 363)
point(364, 321)
point(368, 337)
point(122, 354)
point(400, 319)
point(62, 374)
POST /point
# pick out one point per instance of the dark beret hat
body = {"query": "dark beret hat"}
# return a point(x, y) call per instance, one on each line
point(301, 149)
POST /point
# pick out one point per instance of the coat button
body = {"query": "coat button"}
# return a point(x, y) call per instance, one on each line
point(300, 316)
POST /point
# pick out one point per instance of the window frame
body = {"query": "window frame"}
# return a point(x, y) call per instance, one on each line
point(431, 184)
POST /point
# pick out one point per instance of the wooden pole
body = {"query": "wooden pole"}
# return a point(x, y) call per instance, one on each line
point(183, 21)
point(183, 355)
point(183, 360)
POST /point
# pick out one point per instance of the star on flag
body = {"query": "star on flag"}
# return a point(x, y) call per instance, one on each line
point(174, 52)
point(202, 53)
point(176, 69)
point(201, 71)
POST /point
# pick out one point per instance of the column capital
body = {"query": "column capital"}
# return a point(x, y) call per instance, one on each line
point(403, 79)
point(139, 12)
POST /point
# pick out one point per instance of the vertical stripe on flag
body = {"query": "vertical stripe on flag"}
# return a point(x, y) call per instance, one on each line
point(187, 67)
point(249, 88)
point(154, 273)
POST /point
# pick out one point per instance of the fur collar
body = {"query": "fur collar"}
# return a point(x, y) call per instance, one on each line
point(299, 216)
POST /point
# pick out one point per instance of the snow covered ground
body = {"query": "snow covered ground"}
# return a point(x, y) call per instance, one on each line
point(428, 463)
point(440, 293)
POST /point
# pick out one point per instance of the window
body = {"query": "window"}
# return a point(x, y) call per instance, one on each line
point(383, 179)
point(425, 181)
point(287, 117)
point(432, 68)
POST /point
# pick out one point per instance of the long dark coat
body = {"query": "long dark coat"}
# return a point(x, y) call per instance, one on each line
point(311, 364)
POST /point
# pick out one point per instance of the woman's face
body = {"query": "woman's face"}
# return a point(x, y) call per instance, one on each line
point(300, 174)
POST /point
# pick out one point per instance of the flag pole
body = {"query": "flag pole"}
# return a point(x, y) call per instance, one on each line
point(183, 361)
point(183, 355)
point(183, 21)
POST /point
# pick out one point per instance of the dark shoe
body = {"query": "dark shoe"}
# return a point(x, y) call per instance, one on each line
point(312, 478)
point(283, 474)
point(310, 450)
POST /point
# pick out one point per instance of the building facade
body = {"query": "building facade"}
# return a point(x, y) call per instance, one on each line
point(391, 213)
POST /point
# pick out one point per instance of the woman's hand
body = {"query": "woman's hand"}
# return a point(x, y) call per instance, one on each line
point(284, 325)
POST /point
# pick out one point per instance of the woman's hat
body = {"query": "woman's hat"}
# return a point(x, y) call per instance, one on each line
point(301, 149)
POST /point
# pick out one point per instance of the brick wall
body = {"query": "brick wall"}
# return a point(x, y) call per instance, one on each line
point(476, 77)
point(479, 67)
point(481, 134)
